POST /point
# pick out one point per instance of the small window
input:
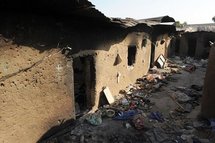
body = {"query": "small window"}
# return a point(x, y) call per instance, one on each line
point(132, 50)
point(162, 41)
point(144, 42)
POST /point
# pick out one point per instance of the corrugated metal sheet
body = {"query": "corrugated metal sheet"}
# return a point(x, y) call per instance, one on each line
point(157, 20)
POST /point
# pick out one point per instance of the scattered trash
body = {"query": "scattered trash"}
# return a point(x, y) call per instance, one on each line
point(156, 116)
point(160, 62)
point(150, 77)
point(196, 87)
point(188, 108)
point(190, 68)
point(157, 86)
point(154, 77)
point(174, 99)
point(82, 139)
point(157, 135)
point(182, 97)
point(128, 125)
point(110, 113)
point(138, 93)
point(187, 138)
point(94, 119)
point(138, 121)
point(189, 92)
point(204, 63)
point(125, 102)
point(212, 124)
point(203, 124)
point(134, 110)
point(196, 140)
point(125, 115)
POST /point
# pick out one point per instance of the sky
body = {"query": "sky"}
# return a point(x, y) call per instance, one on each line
point(190, 11)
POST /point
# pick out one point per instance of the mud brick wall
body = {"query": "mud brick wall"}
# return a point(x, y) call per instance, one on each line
point(162, 46)
point(107, 73)
point(36, 91)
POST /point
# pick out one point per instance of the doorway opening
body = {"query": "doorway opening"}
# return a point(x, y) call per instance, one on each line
point(191, 47)
point(84, 83)
point(132, 50)
point(177, 47)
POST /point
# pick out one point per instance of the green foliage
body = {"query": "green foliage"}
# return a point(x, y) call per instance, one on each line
point(180, 25)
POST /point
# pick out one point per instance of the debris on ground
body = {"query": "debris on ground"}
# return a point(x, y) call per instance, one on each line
point(138, 121)
point(162, 106)
point(156, 116)
point(95, 118)
point(125, 115)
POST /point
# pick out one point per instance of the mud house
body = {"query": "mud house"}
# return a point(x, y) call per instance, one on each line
point(118, 60)
point(58, 56)
point(194, 40)
point(163, 31)
point(118, 63)
point(36, 73)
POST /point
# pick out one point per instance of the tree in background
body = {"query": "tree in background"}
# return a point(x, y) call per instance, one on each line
point(213, 19)
point(180, 25)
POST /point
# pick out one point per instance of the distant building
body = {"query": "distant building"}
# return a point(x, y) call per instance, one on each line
point(194, 40)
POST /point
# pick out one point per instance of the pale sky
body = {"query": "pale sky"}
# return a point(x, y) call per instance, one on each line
point(191, 11)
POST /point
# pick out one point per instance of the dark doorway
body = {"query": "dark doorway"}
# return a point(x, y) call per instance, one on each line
point(177, 47)
point(153, 46)
point(191, 47)
point(132, 50)
point(84, 83)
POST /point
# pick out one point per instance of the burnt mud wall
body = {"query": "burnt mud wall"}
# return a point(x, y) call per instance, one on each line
point(112, 68)
point(162, 46)
point(36, 79)
point(41, 85)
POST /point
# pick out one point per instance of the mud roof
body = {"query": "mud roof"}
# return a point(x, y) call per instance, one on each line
point(157, 20)
point(209, 27)
point(52, 7)
point(80, 9)
point(128, 22)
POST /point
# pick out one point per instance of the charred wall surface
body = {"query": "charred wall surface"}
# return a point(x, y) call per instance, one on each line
point(162, 46)
point(122, 64)
point(37, 70)
point(36, 79)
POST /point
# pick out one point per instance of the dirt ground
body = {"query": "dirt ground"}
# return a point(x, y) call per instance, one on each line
point(170, 124)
